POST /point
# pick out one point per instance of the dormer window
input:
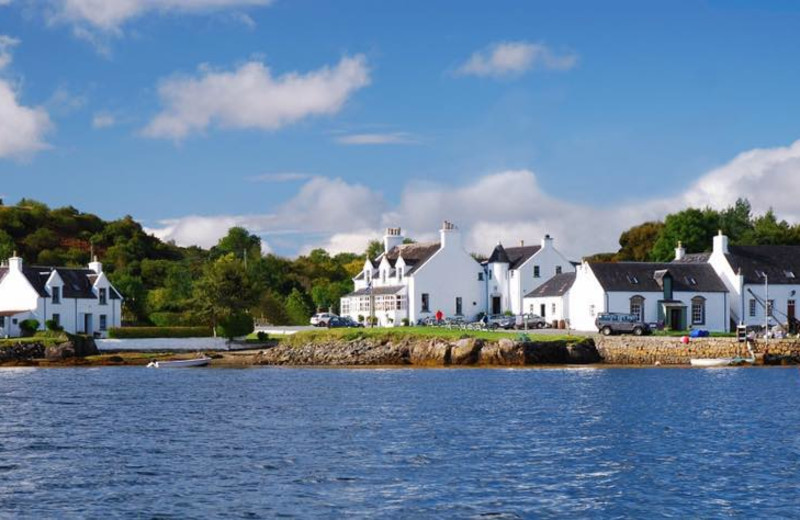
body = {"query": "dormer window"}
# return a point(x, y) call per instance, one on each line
point(56, 294)
point(632, 279)
point(691, 280)
point(102, 295)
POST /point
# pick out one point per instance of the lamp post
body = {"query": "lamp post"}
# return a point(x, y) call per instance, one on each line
point(767, 309)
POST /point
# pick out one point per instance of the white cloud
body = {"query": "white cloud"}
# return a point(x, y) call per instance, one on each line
point(103, 120)
point(508, 206)
point(22, 128)
point(513, 58)
point(377, 139)
point(110, 15)
point(250, 97)
point(281, 177)
point(5, 2)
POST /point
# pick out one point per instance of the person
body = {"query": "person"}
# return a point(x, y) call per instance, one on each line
point(439, 316)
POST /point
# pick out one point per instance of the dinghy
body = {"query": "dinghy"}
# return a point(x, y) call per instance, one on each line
point(180, 363)
point(725, 361)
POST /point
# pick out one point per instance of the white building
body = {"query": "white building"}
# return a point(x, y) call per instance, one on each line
point(757, 278)
point(678, 295)
point(513, 272)
point(82, 301)
point(415, 281)
point(551, 299)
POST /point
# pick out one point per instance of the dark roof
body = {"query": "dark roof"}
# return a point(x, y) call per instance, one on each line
point(499, 255)
point(647, 276)
point(414, 255)
point(78, 283)
point(781, 264)
point(520, 255)
point(377, 291)
point(694, 258)
point(555, 286)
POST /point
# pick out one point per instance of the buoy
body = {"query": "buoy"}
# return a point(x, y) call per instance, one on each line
point(685, 339)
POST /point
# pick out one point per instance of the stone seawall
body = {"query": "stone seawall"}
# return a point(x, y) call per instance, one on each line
point(631, 350)
point(417, 351)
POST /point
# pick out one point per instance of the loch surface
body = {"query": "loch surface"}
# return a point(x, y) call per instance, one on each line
point(124, 442)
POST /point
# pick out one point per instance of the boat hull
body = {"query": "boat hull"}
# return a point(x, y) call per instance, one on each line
point(180, 363)
point(720, 362)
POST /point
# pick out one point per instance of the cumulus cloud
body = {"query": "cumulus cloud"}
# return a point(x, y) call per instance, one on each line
point(110, 15)
point(339, 216)
point(377, 139)
point(514, 58)
point(103, 120)
point(22, 129)
point(251, 97)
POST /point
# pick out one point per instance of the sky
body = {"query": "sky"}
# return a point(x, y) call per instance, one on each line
point(321, 123)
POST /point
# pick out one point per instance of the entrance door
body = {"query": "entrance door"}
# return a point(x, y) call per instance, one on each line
point(790, 310)
point(87, 324)
point(675, 319)
point(496, 305)
point(542, 309)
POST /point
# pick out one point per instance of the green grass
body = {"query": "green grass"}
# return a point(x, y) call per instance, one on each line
point(424, 332)
point(46, 337)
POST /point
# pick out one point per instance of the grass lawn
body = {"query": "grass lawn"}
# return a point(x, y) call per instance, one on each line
point(44, 337)
point(429, 332)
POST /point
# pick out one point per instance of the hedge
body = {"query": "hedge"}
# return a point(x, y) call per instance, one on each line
point(159, 332)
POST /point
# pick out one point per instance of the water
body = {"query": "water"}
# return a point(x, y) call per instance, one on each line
point(317, 443)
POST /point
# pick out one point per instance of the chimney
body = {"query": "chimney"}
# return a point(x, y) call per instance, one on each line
point(720, 244)
point(392, 238)
point(521, 243)
point(96, 266)
point(449, 235)
point(15, 263)
point(547, 241)
point(680, 252)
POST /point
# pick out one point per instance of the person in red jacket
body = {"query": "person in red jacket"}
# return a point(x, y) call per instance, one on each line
point(439, 316)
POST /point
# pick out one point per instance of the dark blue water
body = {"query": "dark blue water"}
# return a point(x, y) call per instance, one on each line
point(315, 443)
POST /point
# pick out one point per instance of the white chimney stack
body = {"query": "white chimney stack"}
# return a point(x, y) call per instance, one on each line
point(96, 266)
point(721, 243)
point(392, 238)
point(15, 263)
point(547, 241)
point(680, 251)
point(449, 235)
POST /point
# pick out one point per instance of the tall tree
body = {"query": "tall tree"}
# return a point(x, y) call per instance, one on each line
point(636, 244)
point(693, 227)
point(225, 289)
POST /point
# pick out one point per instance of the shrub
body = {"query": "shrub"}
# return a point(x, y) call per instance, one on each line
point(28, 327)
point(262, 336)
point(235, 325)
point(405, 322)
point(53, 325)
point(159, 332)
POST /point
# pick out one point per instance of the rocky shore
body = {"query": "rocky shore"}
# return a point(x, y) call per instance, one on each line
point(47, 350)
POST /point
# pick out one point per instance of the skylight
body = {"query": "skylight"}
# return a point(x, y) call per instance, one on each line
point(789, 274)
point(691, 280)
point(632, 279)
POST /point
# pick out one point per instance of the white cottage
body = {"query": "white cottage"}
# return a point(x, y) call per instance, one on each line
point(513, 272)
point(678, 295)
point(551, 299)
point(762, 280)
point(414, 281)
point(82, 301)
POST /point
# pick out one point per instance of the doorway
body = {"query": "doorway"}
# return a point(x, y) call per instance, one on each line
point(675, 321)
point(790, 310)
point(496, 308)
point(88, 327)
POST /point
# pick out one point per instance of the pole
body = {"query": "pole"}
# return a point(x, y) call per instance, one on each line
point(767, 309)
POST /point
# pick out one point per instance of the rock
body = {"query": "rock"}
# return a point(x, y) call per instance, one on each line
point(466, 351)
point(60, 352)
point(502, 353)
point(429, 353)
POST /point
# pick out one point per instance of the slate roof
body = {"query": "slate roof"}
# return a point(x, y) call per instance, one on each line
point(377, 291)
point(414, 255)
point(555, 286)
point(646, 276)
point(77, 282)
point(781, 264)
point(520, 255)
point(694, 258)
point(499, 255)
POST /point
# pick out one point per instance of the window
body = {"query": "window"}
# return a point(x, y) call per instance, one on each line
point(2, 322)
point(637, 306)
point(789, 274)
point(400, 274)
point(558, 269)
point(553, 309)
point(459, 307)
point(770, 306)
point(490, 275)
point(480, 277)
point(56, 292)
point(591, 311)
point(383, 276)
point(56, 319)
point(426, 300)
point(102, 296)
point(752, 307)
point(543, 310)
point(103, 323)
point(632, 279)
point(698, 310)
point(536, 271)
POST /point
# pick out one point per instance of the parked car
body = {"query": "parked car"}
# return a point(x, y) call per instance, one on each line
point(500, 321)
point(616, 322)
point(336, 322)
point(320, 319)
point(530, 321)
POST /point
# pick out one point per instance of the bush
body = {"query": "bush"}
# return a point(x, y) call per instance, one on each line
point(159, 332)
point(262, 336)
point(235, 325)
point(28, 327)
point(405, 322)
point(52, 325)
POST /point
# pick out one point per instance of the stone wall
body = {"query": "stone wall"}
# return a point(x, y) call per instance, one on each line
point(648, 350)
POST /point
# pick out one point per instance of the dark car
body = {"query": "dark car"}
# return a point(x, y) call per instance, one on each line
point(616, 322)
point(342, 321)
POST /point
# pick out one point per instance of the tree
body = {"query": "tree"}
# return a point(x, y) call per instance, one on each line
point(636, 244)
point(298, 308)
point(224, 289)
point(767, 230)
point(239, 242)
point(693, 227)
point(736, 221)
point(6, 245)
point(374, 249)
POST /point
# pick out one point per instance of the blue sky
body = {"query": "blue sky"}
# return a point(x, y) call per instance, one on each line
point(317, 123)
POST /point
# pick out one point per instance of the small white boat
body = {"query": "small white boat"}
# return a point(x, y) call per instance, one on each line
point(180, 363)
point(726, 361)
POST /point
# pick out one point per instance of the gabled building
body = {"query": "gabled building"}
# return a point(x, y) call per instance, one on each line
point(414, 281)
point(82, 301)
point(551, 299)
point(513, 272)
point(763, 281)
point(676, 295)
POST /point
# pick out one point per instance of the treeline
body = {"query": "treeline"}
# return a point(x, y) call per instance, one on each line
point(168, 285)
point(695, 229)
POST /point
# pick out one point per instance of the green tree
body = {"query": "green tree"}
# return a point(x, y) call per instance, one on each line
point(225, 289)
point(374, 248)
point(298, 308)
point(636, 244)
point(7, 245)
point(239, 242)
point(736, 221)
point(767, 230)
point(693, 227)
